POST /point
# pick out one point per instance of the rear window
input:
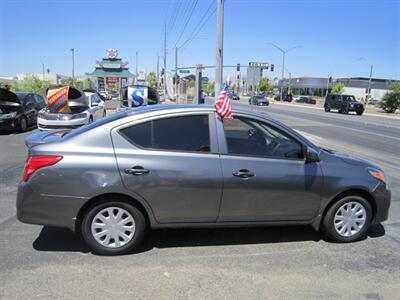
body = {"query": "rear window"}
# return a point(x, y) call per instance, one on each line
point(185, 133)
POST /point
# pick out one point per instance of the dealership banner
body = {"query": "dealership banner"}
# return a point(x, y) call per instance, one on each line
point(57, 100)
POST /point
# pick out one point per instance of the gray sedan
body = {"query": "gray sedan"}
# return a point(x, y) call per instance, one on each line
point(182, 166)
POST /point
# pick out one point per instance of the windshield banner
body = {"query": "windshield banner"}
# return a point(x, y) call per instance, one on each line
point(57, 100)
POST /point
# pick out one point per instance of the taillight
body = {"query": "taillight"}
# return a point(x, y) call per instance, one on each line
point(36, 162)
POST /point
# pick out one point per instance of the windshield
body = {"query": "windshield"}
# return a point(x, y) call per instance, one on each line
point(349, 98)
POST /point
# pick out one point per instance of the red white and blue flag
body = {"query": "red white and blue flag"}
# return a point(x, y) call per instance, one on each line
point(222, 104)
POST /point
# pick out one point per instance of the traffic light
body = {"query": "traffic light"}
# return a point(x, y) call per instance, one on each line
point(238, 68)
point(272, 67)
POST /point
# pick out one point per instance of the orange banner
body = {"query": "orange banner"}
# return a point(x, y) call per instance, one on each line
point(57, 100)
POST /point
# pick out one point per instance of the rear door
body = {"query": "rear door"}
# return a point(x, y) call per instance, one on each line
point(172, 162)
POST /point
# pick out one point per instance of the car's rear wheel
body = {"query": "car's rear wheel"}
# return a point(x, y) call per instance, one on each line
point(359, 112)
point(327, 108)
point(348, 219)
point(113, 228)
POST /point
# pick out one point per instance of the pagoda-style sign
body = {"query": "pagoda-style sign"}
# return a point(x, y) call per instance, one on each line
point(111, 73)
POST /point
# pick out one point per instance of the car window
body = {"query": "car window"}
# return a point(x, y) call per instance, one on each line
point(186, 133)
point(251, 137)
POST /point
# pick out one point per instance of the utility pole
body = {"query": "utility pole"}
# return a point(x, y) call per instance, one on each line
point(219, 46)
point(136, 68)
point(176, 71)
point(73, 63)
point(158, 72)
point(165, 61)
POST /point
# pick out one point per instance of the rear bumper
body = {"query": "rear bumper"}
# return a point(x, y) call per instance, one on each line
point(382, 196)
point(49, 210)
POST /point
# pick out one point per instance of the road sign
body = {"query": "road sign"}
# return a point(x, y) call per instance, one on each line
point(184, 71)
point(259, 65)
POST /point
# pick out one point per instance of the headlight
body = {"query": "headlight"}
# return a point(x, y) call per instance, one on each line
point(79, 116)
point(378, 174)
point(9, 115)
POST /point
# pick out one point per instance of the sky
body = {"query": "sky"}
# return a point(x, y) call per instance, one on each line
point(339, 38)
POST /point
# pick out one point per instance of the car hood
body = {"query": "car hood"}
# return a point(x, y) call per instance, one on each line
point(75, 99)
point(349, 159)
point(7, 96)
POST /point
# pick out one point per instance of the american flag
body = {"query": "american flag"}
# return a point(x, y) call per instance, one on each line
point(222, 104)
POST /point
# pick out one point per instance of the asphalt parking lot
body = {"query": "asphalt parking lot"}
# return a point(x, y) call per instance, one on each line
point(252, 263)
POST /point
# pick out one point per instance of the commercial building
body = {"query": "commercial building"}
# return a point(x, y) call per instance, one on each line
point(318, 86)
point(111, 73)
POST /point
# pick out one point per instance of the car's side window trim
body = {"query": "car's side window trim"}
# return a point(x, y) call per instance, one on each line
point(211, 128)
point(224, 143)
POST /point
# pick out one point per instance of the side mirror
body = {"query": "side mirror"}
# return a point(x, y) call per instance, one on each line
point(310, 155)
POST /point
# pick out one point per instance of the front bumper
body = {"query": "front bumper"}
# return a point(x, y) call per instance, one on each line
point(8, 124)
point(44, 124)
point(382, 196)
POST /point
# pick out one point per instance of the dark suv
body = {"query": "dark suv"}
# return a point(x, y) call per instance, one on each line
point(343, 103)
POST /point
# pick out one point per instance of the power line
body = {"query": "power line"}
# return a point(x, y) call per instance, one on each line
point(175, 15)
point(187, 22)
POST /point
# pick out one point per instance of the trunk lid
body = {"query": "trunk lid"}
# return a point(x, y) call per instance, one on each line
point(9, 101)
point(45, 137)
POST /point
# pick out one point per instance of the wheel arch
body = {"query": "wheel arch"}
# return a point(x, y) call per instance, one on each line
point(350, 192)
point(108, 197)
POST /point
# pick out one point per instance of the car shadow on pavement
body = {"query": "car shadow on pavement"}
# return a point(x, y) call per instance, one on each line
point(16, 132)
point(58, 239)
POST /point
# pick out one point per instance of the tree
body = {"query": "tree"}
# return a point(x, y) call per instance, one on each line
point(87, 83)
point(31, 84)
point(264, 84)
point(70, 81)
point(152, 79)
point(338, 88)
point(391, 101)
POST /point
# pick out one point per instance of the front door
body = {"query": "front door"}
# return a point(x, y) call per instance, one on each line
point(172, 163)
point(265, 175)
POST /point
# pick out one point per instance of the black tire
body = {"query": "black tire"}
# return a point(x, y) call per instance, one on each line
point(139, 233)
point(328, 227)
point(359, 112)
point(23, 124)
point(90, 120)
point(104, 114)
point(327, 109)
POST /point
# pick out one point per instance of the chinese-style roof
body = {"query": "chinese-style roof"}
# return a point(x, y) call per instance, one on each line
point(99, 72)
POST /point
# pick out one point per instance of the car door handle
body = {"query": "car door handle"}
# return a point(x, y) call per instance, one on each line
point(243, 173)
point(137, 170)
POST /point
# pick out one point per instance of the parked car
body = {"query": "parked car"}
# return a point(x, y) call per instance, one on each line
point(105, 95)
point(19, 110)
point(287, 98)
point(343, 103)
point(234, 96)
point(164, 166)
point(258, 100)
point(100, 95)
point(373, 101)
point(85, 108)
point(305, 99)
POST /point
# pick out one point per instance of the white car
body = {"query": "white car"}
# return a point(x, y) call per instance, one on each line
point(85, 109)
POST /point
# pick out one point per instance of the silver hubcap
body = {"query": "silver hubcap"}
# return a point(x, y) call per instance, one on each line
point(113, 227)
point(350, 219)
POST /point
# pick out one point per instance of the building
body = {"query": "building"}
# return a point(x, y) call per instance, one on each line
point(318, 86)
point(111, 73)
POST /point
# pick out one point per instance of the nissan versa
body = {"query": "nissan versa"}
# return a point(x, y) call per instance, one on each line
point(181, 166)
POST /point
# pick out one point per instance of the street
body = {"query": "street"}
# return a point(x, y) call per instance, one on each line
point(291, 262)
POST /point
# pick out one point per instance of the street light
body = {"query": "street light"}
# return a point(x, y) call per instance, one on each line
point(73, 63)
point(290, 81)
point(42, 70)
point(176, 58)
point(368, 94)
point(283, 58)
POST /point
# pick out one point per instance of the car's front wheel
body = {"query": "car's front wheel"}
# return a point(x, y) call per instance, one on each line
point(359, 112)
point(327, 108)
point(113, 228)
point(348, 219)
point(23, 124)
